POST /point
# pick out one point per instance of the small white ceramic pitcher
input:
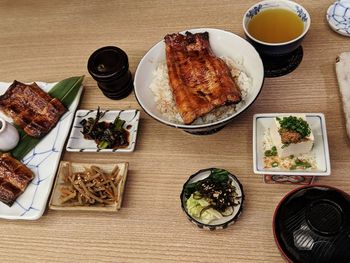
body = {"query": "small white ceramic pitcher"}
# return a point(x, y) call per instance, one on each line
point(9, 136)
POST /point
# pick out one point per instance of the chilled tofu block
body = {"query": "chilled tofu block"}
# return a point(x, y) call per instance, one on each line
point(290, 142)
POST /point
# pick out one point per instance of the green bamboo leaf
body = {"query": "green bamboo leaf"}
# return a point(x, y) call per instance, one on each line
point(25, 145)
point(66, 91)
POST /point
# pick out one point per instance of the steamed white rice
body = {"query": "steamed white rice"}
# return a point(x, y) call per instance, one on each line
point(166, 105)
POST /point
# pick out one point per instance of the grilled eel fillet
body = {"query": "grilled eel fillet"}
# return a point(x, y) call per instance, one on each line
point(199, 80)
point(31, 108)
point(14, 178)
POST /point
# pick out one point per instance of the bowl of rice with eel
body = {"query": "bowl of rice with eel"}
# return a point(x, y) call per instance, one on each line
point(198, 80)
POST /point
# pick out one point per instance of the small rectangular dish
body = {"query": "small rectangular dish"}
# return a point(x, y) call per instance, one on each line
point(319, 153)
point(77, 142)
point(73, 191)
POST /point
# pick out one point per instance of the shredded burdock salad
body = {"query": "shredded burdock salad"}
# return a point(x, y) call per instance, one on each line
point(93, 186)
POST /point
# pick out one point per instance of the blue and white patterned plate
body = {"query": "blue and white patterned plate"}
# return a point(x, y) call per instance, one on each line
point(338, 17)
point(77, 143)
point(43, 160)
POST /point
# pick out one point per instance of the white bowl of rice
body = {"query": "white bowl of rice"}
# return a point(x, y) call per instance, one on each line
point(153, 92)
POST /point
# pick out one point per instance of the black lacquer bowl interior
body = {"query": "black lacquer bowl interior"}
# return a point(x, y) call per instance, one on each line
point(312, 224)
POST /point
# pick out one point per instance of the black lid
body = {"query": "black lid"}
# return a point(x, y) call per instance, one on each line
point(108, 63)
point(312, 224)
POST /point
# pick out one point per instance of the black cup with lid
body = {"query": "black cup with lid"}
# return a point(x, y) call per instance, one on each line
point(109, 66)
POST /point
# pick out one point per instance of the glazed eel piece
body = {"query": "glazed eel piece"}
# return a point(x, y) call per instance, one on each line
point(14, 178)
point(199, 80)
point(31, 108)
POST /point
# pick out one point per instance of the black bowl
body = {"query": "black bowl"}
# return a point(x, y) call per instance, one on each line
point(312, 224)
point(274, 50)
point(119, 85)
point(120, 93)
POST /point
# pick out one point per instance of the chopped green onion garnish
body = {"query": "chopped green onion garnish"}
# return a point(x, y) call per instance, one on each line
point(274, 164)
point(272, 152)
point(296, 124)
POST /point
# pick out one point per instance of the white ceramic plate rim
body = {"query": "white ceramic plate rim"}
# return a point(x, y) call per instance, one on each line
point(160, 45)
point(326, 172)
point(44, 192)
point(133, 133)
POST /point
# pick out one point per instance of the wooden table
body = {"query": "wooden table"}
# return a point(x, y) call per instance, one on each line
point(52, 40)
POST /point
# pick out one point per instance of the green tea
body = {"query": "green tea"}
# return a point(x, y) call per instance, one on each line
point(275, 26)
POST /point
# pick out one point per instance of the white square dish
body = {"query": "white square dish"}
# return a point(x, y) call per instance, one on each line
point(43, 160)
point(77, 142)
point(261, 122)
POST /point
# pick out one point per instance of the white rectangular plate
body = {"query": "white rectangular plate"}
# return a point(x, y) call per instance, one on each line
point(43, 160)
point(77, 143)
point(317, 123)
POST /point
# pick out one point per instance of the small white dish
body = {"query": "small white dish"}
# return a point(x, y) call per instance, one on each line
point(9, 136)
point(77, 142)
point(43, 160)
point(261, 122)
point(338, 17)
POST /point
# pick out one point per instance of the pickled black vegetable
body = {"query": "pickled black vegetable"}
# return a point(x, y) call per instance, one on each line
point(107, 135)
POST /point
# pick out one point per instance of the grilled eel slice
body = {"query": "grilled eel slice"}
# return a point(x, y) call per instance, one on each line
point(31, 108)
point(14, 178)
point(199, 80)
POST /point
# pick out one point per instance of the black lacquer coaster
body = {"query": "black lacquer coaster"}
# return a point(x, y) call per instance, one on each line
point(276, 66)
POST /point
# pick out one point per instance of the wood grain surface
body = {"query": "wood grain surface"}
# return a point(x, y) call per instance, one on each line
point(52, 40)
